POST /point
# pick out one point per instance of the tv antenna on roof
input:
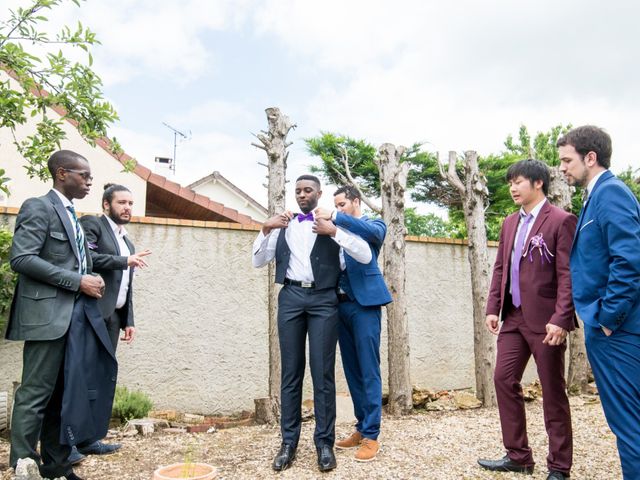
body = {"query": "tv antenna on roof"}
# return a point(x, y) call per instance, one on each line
point(176, 132)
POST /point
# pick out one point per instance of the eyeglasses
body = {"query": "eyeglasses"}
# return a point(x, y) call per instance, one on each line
point(83, 173)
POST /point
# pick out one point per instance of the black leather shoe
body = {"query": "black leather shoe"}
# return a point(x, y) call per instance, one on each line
point(75, 457)
point(555, 475)
point(326, 458)
point(99, 448)
point(505, 464)
point(73, 476)
point(284, 458)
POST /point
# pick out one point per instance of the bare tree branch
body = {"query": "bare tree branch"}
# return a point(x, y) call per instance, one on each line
point(451, 175)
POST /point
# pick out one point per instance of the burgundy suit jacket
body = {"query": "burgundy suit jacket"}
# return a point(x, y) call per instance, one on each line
point(545, 281)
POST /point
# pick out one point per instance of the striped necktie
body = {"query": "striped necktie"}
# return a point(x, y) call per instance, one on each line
point(79, 240)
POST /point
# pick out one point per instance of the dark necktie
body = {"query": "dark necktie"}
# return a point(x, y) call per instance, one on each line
point(515, 261)
point(79, 240)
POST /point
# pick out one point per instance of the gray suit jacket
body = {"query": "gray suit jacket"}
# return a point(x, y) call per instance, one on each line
point(110, 264)
point(45, 256)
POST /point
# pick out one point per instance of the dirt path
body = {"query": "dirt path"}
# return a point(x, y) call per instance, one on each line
point(424, 446)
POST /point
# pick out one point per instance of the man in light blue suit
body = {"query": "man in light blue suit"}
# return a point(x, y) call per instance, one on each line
point(605, 271)
point(362, 292)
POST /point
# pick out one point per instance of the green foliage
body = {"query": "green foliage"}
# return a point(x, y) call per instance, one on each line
point(73, 86)
point(7, 276)
point(333, 148)
point(430, 225)
point(130, 404)
point(631, 177)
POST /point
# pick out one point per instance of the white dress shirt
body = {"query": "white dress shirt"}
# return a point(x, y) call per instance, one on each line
point(593, 182)
point(119, 231)
point(343, 264)
point(300, 238)
point(534, 213)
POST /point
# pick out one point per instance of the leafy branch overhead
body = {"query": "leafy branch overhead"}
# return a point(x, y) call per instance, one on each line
point(48, 80)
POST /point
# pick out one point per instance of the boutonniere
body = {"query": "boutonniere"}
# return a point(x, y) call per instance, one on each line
point(537, 243)
point(92, 246)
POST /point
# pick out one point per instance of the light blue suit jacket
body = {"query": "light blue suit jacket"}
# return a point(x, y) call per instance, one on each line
point(366, 281)
point(605, 258)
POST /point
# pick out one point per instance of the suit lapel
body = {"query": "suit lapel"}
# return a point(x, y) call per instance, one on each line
point(66, 221)
point(112, 236)
point(540, 219)
point(581, 219)
point(603, 178)
point(511, 238)
point(130, 246)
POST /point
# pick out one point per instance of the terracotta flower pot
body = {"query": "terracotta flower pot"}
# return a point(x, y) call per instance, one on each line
point(188, 471)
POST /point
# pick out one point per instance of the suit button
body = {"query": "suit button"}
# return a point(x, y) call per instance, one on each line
point(113, 379)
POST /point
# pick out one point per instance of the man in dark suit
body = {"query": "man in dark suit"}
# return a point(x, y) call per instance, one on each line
point(308, 265)
point(49, 253)
point(531, 288)
point(362, 292)
point(114, 258)
point(605, 270)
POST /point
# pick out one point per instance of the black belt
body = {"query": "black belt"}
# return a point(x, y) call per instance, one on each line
point(297, 283)
point(343, 297)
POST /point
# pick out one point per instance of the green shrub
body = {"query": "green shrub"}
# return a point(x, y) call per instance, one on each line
point(7, 276)
point(130, 404)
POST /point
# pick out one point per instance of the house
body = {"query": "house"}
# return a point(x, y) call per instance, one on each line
point(218, 187)
point(154, 195)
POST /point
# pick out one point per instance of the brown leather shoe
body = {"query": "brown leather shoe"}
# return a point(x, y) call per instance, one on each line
point(352, 441)
point(368, 450)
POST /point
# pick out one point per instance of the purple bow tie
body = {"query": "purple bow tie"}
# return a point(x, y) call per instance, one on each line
point(308, 216)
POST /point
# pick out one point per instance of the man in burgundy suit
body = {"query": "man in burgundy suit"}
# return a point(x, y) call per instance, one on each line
point(531, 287)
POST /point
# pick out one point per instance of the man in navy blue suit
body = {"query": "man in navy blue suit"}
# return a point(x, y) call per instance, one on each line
point(605, 272)
point(362, 292)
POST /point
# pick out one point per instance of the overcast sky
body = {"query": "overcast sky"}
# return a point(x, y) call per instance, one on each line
point(456, 75)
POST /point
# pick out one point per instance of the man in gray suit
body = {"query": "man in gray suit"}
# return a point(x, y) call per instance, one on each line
point(49, 253)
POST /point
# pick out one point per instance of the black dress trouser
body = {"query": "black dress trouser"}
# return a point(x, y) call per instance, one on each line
point(301, 311)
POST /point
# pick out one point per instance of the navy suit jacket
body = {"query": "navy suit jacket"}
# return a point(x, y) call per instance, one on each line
point(605, 258)
point(366, 281)
point(90, 375)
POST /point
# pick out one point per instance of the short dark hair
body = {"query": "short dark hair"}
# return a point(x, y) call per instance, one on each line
point(532, 170)
point(312, 178)
point(350, 192)
point(589, 138)
point(63, 159)
point(110, 189)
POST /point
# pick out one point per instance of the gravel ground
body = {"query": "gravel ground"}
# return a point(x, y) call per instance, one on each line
point(432, 445)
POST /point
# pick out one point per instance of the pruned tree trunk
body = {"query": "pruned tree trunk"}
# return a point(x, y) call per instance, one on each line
point(473, 193)
point(393, 181)
point(560, 191)
point(274, 143)
point(579, 371)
